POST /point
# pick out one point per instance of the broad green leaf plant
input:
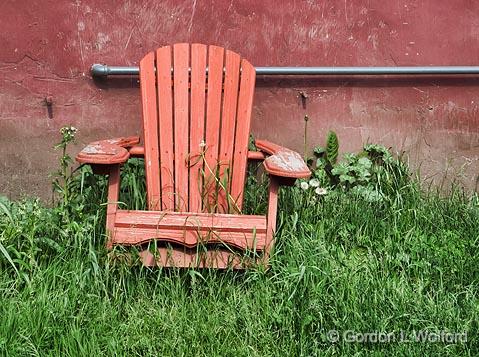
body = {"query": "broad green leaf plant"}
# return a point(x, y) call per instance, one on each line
point(370, 173)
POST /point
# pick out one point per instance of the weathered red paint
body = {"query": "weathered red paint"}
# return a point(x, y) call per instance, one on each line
point(108, 151)
point(171, 218)
point(47, 48)
point(283, 162)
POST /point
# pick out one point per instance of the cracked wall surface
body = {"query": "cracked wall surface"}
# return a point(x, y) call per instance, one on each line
point(47, 48)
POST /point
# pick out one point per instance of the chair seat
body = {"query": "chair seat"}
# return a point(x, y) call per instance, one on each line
point(246, 232)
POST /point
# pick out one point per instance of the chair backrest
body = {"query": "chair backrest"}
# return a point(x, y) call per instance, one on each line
point(196, 102)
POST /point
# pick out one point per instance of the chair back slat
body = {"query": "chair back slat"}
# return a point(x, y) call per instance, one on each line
point(227, 135)
point(181, 123)
point(213, 121)
point(164, 117)
point(197, 123)
point(243, 125)
point(149, 108)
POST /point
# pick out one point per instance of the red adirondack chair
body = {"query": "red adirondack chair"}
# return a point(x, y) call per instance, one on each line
point(197, 103)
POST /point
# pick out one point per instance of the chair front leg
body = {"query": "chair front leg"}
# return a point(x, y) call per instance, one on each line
point(273, 191)
point(112, 204)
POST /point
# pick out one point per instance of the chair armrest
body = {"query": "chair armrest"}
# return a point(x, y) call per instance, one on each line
point(107, 152)
point(137, 151)
point(256, 156)
point(283, 162)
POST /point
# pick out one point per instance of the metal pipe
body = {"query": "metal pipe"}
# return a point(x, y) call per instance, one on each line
point(102, 70)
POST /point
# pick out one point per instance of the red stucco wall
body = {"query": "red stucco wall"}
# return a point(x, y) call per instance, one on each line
point(47, 48)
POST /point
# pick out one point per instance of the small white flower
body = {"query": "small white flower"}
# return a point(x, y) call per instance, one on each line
point(68, 132)
point(202, 144)
point(321, 191)
point(314, 182)
point(304, 185)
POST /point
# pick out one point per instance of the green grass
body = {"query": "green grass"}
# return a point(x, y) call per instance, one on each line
point(408, 263)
